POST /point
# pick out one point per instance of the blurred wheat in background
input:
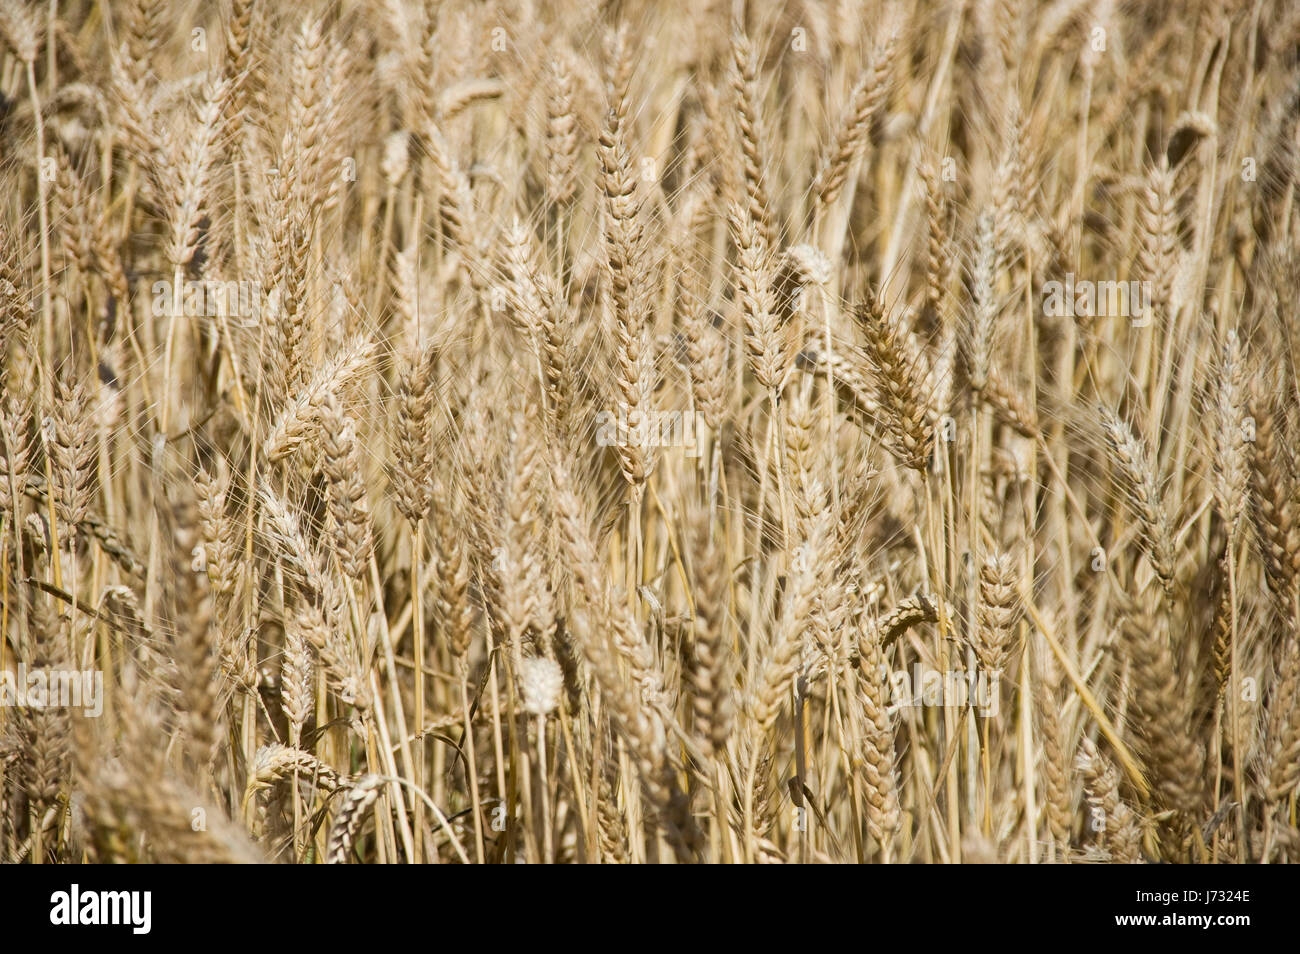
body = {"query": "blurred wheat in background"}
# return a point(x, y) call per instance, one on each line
point(534, 431)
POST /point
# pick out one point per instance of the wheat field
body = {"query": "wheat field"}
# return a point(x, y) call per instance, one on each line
point(641, 432)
